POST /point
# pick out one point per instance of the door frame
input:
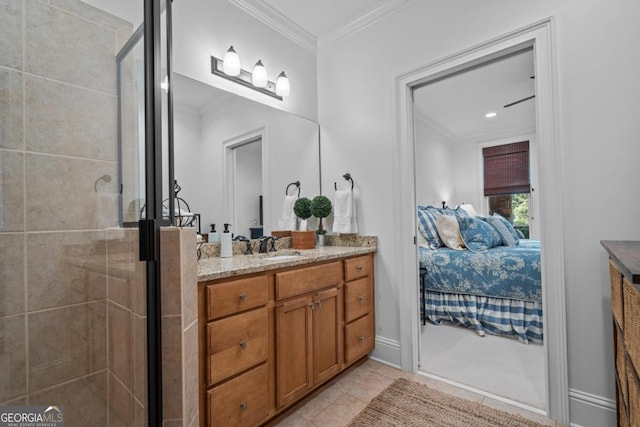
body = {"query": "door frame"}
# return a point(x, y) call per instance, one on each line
point(540, 35)
point(229, 172)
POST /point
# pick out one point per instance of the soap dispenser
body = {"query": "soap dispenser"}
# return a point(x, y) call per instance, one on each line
point(226, 247)
point(213, 235)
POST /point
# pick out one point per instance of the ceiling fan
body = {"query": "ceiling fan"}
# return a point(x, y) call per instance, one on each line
point(521, 100)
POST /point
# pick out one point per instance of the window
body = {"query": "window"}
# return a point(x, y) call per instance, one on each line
point(506, 182)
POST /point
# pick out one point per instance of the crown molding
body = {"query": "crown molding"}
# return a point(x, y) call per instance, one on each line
point(378, 14)
point(274, 19)
point(421, 116)
point(520, 127)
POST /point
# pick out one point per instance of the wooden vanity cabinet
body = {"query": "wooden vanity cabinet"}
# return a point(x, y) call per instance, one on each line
point(269, 339)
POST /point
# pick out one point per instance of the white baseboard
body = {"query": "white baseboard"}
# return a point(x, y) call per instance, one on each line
point(590, 410)
point(387, 351)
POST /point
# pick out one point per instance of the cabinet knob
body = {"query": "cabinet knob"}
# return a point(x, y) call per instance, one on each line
point(361, 338)
point(361, 298)
point(360, 267)
point(243, 297)
point(243, 344)
point(319, 304)
point(244, 406)
point(312, 306)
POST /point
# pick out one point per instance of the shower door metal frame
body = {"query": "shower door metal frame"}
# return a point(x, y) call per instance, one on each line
point(150, 226)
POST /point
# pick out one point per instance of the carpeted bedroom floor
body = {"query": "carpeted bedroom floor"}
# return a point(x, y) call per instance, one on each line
point(501, 366)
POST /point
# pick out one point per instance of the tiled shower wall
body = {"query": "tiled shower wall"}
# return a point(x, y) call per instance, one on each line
point(72, 294)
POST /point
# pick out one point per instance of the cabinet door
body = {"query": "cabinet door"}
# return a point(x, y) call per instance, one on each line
point(327, 334)
point(295, 349)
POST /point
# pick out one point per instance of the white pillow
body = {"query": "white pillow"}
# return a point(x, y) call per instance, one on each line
point(449, 232)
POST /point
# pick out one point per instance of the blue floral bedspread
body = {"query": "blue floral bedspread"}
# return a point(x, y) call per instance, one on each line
point(503, 272)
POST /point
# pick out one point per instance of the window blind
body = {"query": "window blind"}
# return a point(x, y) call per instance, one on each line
point(506, 169)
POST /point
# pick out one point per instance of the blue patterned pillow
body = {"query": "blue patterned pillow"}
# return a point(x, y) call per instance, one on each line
point(507, 232)
point(477, 234)
point(427, 218)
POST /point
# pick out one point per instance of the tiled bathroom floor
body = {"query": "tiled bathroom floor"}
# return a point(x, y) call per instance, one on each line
point(346, 396)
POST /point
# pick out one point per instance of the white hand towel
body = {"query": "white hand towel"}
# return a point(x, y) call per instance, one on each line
point(344, 212)
point(289, 220)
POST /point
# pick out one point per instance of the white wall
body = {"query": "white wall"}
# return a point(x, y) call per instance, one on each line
point(202, 28)
point(435, 166)
point(187, 140)
point(599, 101)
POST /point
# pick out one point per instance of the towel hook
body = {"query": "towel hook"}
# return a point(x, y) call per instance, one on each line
point(105, 178)
point(297, 184)
point(346, 176)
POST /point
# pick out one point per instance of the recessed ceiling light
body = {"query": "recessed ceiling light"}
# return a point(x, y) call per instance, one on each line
point(491, 114)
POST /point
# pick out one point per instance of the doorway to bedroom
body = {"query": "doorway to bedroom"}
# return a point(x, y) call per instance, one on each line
point(476, 167)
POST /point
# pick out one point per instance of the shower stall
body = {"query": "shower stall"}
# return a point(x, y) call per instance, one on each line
point(78, 327)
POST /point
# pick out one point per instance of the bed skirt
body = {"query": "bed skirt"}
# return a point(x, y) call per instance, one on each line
point(498, 316)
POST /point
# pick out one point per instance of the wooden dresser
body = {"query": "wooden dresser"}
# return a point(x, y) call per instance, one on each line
point(268, 339)
point(624, 266)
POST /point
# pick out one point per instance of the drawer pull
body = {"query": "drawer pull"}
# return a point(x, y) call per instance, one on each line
point(243, 297)
point(360, 267)
point(361, 338)
point(244, 406)
point(243, 344)
point(361, 298)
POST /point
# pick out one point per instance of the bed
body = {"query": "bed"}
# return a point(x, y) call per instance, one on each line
point(495, 289)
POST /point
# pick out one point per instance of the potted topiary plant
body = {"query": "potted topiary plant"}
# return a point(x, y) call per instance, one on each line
point(320, 208)
point(302, 239)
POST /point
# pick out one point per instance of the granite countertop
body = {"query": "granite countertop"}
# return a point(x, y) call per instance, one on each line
point(218, 268)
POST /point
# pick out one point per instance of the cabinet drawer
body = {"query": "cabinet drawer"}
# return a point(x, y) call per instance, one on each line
point(303, 280)
point(621, 368)
point(631, 312)
point(357, 298)
point(634, 398)
point(243, 401)
point(616, 292)
point(236, 295)
point(355, 268)
point(359, 338)
point(236, 343)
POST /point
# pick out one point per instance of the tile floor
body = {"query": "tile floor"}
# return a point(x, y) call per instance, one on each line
point(344, 397)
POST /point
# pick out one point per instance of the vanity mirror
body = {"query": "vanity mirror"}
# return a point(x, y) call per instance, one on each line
point(234, 157)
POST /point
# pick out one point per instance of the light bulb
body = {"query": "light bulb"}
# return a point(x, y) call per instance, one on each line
point(231, 63)
point(259, 76)
point(282, 85)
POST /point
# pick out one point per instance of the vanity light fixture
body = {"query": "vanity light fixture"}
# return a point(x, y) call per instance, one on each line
point(231, 63)
point(259, 76)
point(282, 85)
point(230, 69)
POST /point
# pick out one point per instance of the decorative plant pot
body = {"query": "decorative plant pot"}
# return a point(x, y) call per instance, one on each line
point(303, 239)
point(320, 239)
